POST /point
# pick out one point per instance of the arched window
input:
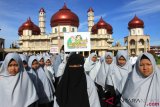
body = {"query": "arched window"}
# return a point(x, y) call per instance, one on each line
point(55, 30)
point(133, 32)
point(132, 42)
point(141, 42)
point(64, 29)
point(72, 29)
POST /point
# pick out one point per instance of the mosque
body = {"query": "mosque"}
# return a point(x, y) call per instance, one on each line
point(33, 39)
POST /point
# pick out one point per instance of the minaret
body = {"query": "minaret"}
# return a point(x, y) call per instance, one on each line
point(90, 19)
point(42, 17)
point(136, 26)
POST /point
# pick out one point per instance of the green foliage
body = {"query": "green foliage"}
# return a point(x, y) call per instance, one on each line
point(158, 60)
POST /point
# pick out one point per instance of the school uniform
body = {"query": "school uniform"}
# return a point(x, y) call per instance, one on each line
point(16, 90)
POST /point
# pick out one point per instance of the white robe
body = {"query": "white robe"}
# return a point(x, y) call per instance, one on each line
point(17, 90)
point(104, 70)
point(62, 66)
point(117, 73)
point(92, 94)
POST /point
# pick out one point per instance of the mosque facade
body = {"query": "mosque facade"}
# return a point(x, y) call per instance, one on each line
point(33, 39)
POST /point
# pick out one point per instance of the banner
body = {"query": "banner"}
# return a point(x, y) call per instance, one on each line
point(54, 50)
point(77, 41)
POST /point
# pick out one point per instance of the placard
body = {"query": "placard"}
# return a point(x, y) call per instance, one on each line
point(54, 50)
point(77, 41)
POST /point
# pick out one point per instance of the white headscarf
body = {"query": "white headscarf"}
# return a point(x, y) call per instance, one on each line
point(23, 57)
point(18, 90)
point(92, 67)
point(62, 66)
point(39, 57)
point(41, 82)
point(49, 68)
point(146, 90)
point(104, 69)
point(49, 71)
point(117, 73)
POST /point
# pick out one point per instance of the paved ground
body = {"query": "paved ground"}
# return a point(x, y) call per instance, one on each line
point(159, 66)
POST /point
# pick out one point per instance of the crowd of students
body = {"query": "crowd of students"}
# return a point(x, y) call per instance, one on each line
point(70, 80)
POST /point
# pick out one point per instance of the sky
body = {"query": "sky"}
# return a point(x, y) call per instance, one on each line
point(13, 13)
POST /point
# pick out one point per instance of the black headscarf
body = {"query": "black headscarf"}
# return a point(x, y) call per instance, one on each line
point(72, 89)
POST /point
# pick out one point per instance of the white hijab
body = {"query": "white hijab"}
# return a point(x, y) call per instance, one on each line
point(117, 73)
point(92, 67)
point(41, 82)
point(18, 90)
point(146, 90)
point(104, 69)
point(23, 57)
point(49, 68)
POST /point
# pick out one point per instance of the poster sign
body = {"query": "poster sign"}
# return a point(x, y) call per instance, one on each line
point(54, 50)
point(77, 41)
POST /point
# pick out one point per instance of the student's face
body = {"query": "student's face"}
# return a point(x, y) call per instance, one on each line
point(25, 64)
point(121, 61)
point(146, 67)
point(48, 62)
point(94, 58)
point(108, 60)
point(35, 65)
point(41, 62)
point(13, 67)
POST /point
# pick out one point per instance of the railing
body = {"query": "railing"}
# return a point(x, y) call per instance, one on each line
point(100, 37)
point(34, 37)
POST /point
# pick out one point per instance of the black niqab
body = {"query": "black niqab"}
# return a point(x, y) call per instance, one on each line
point(72, 89)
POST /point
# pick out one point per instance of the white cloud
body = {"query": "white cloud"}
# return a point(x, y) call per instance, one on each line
point(96, 18)
point(140, 7)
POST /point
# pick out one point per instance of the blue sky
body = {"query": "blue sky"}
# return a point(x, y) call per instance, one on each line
point(115, 12)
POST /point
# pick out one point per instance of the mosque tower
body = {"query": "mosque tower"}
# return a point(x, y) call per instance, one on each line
point(136, 26)
point(90, 19)
point(137, 42)
point(42, 16)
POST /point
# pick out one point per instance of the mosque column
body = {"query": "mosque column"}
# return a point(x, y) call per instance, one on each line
point(113, 52)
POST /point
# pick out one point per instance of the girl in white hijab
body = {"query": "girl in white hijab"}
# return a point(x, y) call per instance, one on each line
point(49, 68)
point(25, 61)
point(41, 61)
point(92, 66)
point(16, 88)
point(120, 70)
point(107, 63)
point(143, 84)
point(44, 89)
